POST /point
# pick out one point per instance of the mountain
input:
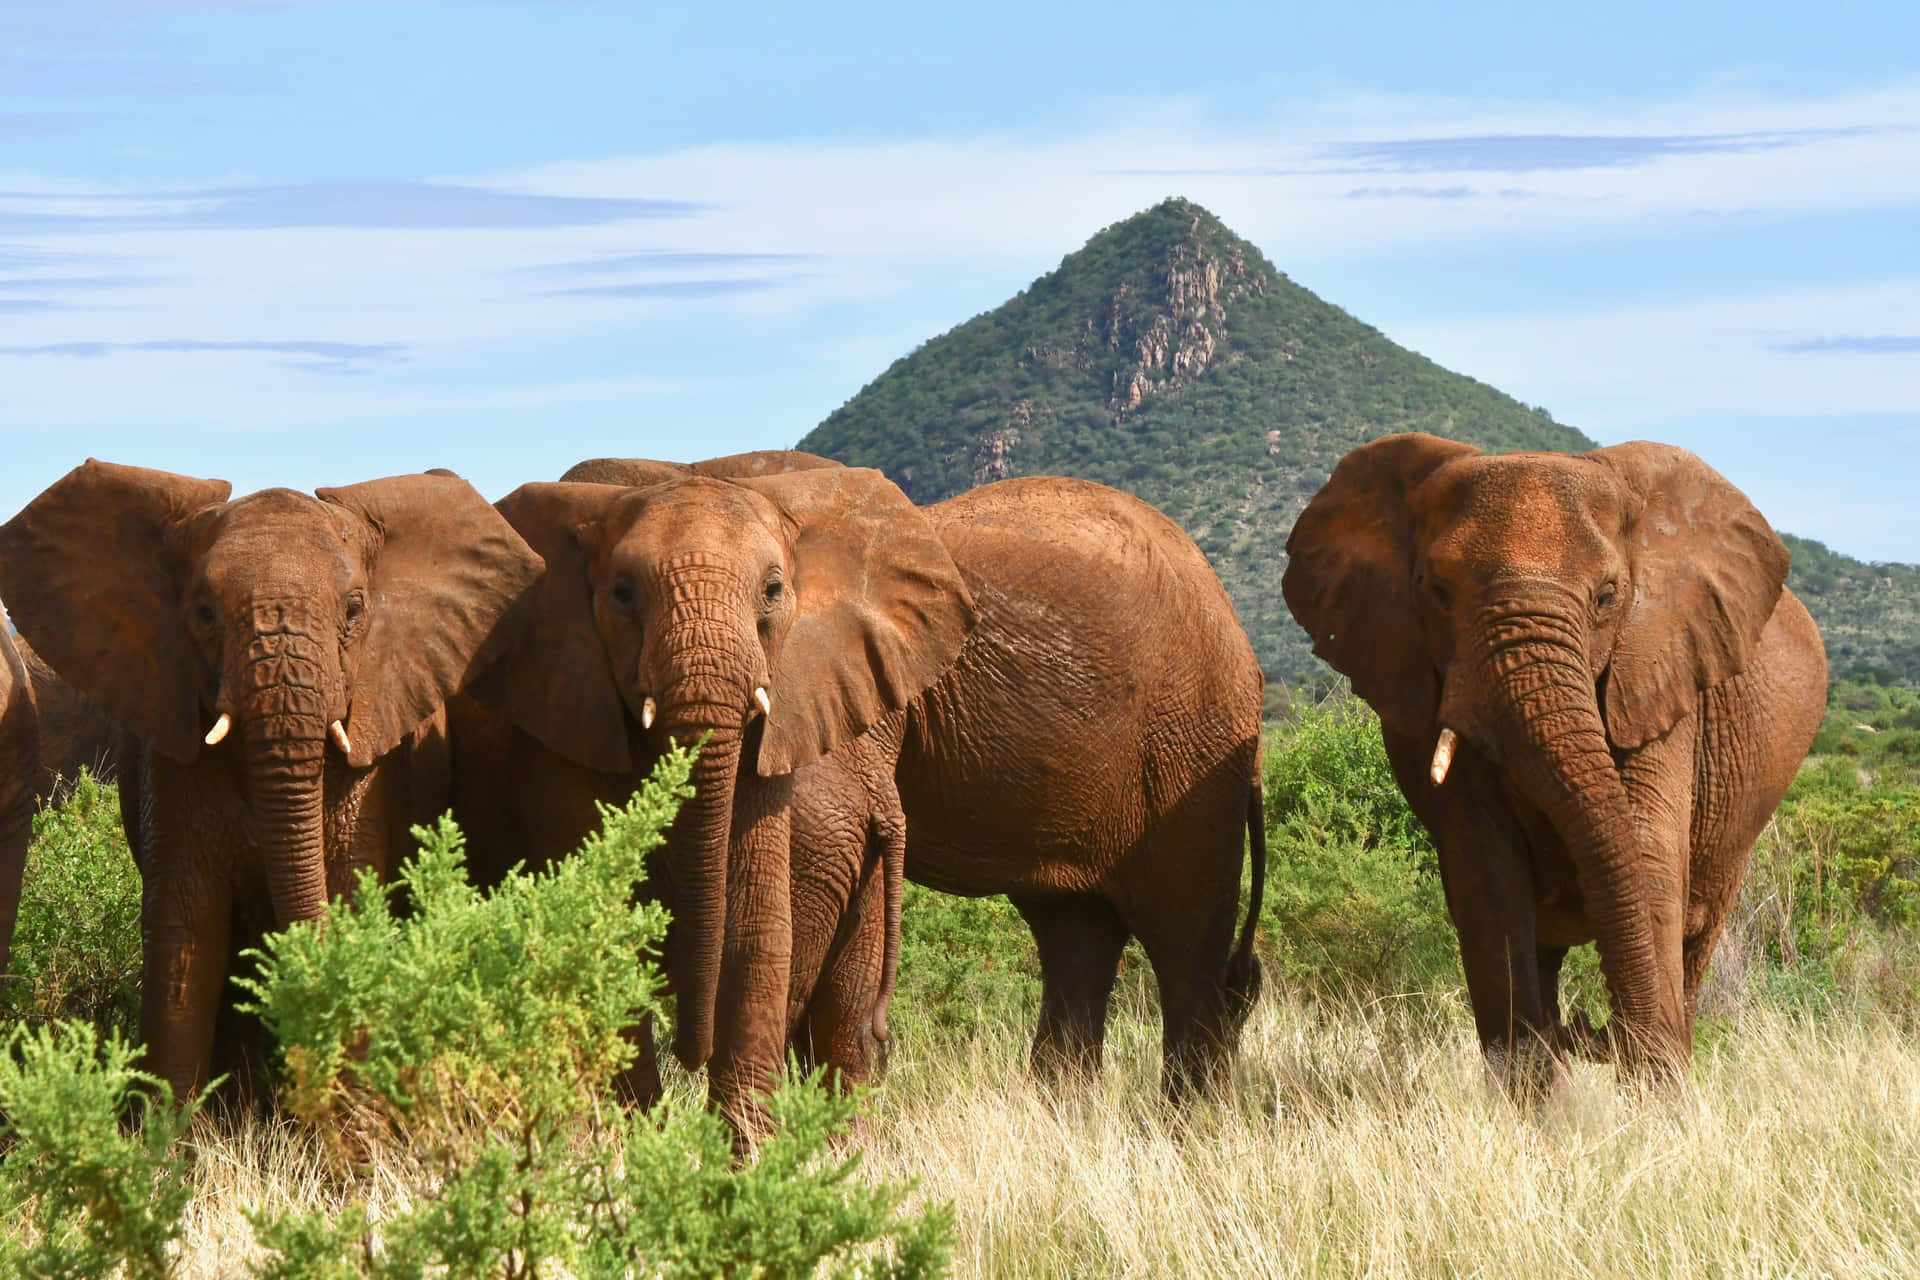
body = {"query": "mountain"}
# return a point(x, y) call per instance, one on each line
point(1869, 614)
point(1169, 358)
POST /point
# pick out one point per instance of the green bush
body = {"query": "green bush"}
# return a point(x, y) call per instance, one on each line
point(76, 945)
point(1353, 889)
point(1829, 912)
point(965, 964)
point(472, 1045)
point(97, 1196)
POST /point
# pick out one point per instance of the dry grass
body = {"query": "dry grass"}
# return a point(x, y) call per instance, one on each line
point(1371, 1143)
point(1363, 1140)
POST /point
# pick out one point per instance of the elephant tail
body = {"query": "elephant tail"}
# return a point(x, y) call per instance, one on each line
point(1243, 970)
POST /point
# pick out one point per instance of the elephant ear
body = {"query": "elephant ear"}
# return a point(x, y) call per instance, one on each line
point(555, 682)
point(1707, 572)
point(628, 473)
point(1349, 578)
point(92, 573)
point(447, 572)
point(880, 610)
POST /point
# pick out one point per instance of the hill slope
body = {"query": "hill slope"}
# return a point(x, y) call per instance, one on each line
point(1169, 358)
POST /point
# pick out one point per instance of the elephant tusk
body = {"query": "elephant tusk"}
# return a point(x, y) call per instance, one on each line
point(761, 700)
point(646, 714)
point(1442, 756)
point(338, 732)
point(219, 730)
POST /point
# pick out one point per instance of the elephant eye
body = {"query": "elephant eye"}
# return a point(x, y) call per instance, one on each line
point(355, 607)
point(774, 590)
point(203, 614)
point(1605, 599)
point(622, 592)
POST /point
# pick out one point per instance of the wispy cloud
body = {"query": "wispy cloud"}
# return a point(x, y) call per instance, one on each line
point(686, 289)
point(1893, 344)
point(418, 206)
point(1411, 193)
point(67, 284)
point(663, 260)
point(1534, 152)
point(571, 261)
point(320, 357)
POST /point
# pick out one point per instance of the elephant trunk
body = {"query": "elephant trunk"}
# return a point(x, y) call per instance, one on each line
point(1550, 730)
point(697, 852)
point(284, 715)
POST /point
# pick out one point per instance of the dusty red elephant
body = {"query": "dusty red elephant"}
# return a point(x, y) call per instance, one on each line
point(1091, 750)
point(275, 658)
point(776, 618)
point(1594, 689)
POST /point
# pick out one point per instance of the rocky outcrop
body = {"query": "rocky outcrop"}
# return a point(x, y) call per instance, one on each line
point(993, 459)
point(1173, 334)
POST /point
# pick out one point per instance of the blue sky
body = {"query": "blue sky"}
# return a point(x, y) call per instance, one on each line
point(310, 242)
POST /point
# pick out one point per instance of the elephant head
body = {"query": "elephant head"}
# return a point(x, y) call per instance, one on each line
point(271, 626)
point(1555, 612)
point(773, 616)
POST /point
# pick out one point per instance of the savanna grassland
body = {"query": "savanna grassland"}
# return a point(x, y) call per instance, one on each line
point(469, 1133)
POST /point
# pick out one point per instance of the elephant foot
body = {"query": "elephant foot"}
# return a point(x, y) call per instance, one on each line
point(1529, 1072)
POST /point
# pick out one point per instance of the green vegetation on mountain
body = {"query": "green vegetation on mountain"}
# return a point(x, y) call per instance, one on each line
point(1169, 358)
point(1869, 614)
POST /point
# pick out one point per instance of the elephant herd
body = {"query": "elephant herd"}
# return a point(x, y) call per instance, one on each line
point(1591, 680)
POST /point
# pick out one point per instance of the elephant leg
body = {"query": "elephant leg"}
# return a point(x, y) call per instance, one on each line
point(186, 924)
point(1659, 780)
point(1510, 1010)
point(1188, 937)
point(837, 1027)
point(1080, 940)
point(239, 1052)
point(750, 1029)
point(1487, 876)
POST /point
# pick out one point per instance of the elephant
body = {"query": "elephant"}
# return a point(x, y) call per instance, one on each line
point(1593, 687)
point(1093, 752)
point(19, 768)
point(773, 618)
point(274, 660)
